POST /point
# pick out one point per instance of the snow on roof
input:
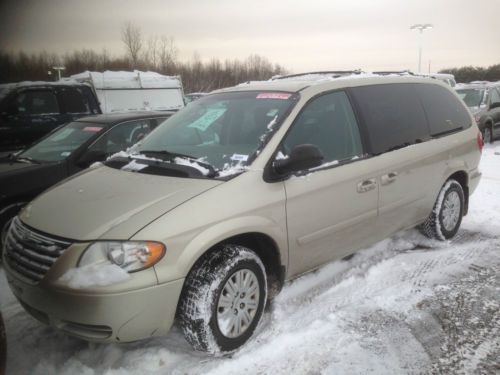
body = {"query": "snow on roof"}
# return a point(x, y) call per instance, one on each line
point(326, 76)
point(5, 88)
point(121, 79)
point(14, 85)
point(297, 81)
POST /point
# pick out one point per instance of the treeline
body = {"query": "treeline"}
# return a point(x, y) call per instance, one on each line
point(197, 76)
point(468, 74)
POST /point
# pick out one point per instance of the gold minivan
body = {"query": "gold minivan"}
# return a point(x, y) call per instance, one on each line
point(242, 190)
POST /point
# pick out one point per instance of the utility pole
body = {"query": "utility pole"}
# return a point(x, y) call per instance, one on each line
point(420, 27)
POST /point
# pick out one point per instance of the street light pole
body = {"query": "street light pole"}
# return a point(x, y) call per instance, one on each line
point(58, 69)
point(420, 27)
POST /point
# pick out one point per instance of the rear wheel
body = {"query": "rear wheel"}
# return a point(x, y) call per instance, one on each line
point(223, 300)
point(487, 135)
point(446, 216)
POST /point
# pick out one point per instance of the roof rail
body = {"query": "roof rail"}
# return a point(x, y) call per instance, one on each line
point(400, 72)
point(333, 73)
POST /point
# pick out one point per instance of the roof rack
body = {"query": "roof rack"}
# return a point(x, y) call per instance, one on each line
point(388, 72)
point(333, 73)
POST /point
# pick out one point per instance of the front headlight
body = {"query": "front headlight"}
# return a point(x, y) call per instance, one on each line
point(130, 255)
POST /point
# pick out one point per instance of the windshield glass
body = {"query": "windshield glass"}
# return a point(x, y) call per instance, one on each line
point(60, 144)
point(222, 130)
point(471, 97)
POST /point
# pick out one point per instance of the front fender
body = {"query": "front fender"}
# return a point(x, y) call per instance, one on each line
point(179, 262)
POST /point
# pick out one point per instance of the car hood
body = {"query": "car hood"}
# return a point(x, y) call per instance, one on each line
point(12, 166)
point(19, 179)
point(106, 203)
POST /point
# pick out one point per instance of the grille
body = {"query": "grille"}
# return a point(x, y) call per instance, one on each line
point(31, 254)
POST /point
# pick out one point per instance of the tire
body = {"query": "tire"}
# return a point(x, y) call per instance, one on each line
point(6, 215)
point(446, 216)
point(487, 135)
point(212, 306)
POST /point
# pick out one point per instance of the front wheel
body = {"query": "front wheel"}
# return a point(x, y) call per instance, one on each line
point(446, 216)
point(223, 299)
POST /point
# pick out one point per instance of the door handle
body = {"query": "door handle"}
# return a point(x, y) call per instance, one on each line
point(388, 178)
point(367, 185)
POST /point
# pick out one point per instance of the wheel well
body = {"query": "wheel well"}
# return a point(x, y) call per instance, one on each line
point(267, 250)
point(462, 179)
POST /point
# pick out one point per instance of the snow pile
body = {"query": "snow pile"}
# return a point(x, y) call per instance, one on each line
point(193, 164)
point(232, 169)
point(133, 166)
point(101, 274)
point(97, 164)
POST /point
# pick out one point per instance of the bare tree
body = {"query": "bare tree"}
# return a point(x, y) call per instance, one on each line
point(151, 53)
point(167, 54)
point(132, 38)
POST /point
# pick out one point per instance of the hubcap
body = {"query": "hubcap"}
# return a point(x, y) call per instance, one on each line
point(451, 211)
point(238, 303)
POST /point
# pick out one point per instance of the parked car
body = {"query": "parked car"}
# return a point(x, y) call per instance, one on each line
point(30, 110)
point(65, 152)
point(240, 191)
point(483, 100)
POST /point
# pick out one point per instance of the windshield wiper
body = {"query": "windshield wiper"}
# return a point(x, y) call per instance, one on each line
point(28, 159)
point(212, 172)
point(166, 153)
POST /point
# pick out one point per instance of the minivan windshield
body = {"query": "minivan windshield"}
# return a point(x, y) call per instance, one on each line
point(471, 97)
point(61, 143)
point(223, 131)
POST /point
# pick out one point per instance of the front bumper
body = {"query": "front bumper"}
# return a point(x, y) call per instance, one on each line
point(100, 314)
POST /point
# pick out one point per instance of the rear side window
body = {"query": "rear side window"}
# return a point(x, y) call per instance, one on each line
point(393, 115)
point(444, 111)
point(74, 101)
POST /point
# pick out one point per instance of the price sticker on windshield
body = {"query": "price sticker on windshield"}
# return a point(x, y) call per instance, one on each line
point(93, 129)
point(274, 95)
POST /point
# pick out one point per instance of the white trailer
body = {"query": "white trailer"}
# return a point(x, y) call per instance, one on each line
point(134, 91)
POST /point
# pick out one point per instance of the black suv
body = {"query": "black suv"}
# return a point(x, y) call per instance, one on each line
point(29, 110)
point(483, 100)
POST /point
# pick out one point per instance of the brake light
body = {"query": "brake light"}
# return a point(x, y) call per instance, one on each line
point(480, 142)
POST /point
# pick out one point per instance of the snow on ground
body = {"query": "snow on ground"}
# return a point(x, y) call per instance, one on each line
point(406, 305)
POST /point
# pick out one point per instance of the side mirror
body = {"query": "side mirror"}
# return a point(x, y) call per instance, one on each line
point(494, 105)
point(302, 157)
point(90, 157)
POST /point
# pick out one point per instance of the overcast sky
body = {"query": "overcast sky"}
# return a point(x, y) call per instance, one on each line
point(303, 35)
